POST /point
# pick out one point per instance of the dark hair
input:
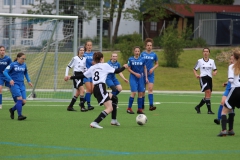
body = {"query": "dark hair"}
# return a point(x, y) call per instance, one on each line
point(206, 48)
point(136, 47)
point(97, 57)
point(18, 56)
point(148, 40)
point(2, 46)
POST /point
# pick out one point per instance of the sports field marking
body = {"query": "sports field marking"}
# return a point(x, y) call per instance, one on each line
point(98, 152)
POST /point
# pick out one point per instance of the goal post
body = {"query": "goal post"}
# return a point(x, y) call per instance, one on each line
point(49, 42)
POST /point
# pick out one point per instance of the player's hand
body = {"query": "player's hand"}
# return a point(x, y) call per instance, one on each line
point(147, 80)
point(214, 73)
point(125, 80)
point(150, 71)
point(224, 84)
point(30, 84)
point(137, 75)
point(125, 65)
point(66, 78)
point(197, 76)
point(11, 83)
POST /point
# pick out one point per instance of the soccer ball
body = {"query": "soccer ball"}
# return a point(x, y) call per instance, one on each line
point(141, 119)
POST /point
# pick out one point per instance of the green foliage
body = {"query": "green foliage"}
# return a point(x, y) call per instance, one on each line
point(126, 44)
point(172, 44)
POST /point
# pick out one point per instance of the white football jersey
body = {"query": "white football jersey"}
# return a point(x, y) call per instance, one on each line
point(206, 67)
point(78, 64)
point(99, 72)
point(234, 79)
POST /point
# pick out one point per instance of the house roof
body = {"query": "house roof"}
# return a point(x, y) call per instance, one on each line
point(184, 10)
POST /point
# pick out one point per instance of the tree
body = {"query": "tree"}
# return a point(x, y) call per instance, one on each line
point(218, 2)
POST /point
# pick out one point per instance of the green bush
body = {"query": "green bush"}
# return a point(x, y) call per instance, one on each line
point(172, 44)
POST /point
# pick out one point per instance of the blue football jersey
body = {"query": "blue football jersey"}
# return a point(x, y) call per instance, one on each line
point(16, 72)
point(89, 58)
point(150, 59)
point(4, 62)
point(115, 65)
point(137, 65)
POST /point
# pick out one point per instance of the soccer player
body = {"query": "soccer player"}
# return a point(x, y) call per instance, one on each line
point(88, 54)
point(137, 68)
point(151, 61)
point(227, 89)
point(78, 63)
point(111, 81)
point(232, 99)
point(4, 62)
point(99, 72)
point(15, 73)
point(207, 70)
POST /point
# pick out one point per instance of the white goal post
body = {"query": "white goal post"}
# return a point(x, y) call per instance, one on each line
point(49, 42)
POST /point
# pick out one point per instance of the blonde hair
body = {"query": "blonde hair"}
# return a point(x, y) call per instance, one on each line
point(236, 66)
point(148, 40)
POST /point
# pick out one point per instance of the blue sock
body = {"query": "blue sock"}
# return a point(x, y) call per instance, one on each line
point(117, 92)
point(114, 93)
point(220, 111)
point(19, 107)
point(143, 101)
point(0, 99)
point(140, 103)
point(150, 97)
point(87, 98)
point(15, 99)
point(130, 102)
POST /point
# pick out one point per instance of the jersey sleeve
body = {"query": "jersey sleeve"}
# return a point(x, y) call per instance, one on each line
point(71, 63)
point(156, 57)
point(196, 66)
point(88, 73)
point(26, 74)
point(214, 66)
point(6, 71)
point(108, 68)
point(230, 73)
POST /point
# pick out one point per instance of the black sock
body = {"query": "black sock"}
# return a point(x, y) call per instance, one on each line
point(82, 100)
point(114, 112)
point(202, 102)
point(224, 122)
point(230, 121)
point(101, 116)
point(208, 103)
point(72, 101)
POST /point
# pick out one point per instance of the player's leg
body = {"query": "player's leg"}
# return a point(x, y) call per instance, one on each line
point(89, 90)
point(133, 88)
point(150, 97)
point(114, 100)
point(139, 101)
point(1, 96)
point(217, 121)
point(82, 101)
point(203, 84)
point(208, 100)
point(225, 111)
point(140, 90)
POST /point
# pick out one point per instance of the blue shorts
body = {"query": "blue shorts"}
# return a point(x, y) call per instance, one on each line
point(136, 84)
point(4, 82)
point(150, 78)
point(18, 90)
point(87, 80)
point(112, 82)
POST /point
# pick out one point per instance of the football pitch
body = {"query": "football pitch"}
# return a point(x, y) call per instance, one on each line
point(173, 131)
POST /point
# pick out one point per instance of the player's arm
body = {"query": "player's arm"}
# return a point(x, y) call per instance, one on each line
point(195, 73)
point(5, 73)
point(119, 70)
point(154, 67)
point(134, 73)
point(122, 76)
point(27, 77)
point(215, 72)
point(145, 72)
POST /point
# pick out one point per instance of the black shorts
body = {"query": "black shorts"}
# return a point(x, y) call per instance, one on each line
point(77, 82)
point(205, 83)
point(232, 99)
point(100, 93)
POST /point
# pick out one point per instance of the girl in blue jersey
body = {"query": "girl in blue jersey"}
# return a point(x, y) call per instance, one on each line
point(15, 73)
point(137, 68)
point(151, 61)
point(4, 62)
point(225, 94)
point(111, 81)
point(88, 54)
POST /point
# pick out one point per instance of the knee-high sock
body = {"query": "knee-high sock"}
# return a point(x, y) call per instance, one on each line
point(88, 98)
point(0, 99)
point(202, 102)
point(150, 98)
point(19, 107)
point(130, 102)
point(114, 112)
point(208, 103)
point(224, 122)
point(143, 102)
point(72, 101)
point(139, 103)
point(220, 111)
point(230, 121)
point(101, 116)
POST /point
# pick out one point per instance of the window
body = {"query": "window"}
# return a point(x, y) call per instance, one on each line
point(27, 2)
point(7, 26)
point(7, 2)
point(153, 26)
point(104, 27)
point(27, 29)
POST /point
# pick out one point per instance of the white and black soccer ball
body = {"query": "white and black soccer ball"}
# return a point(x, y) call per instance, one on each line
point(141, 119)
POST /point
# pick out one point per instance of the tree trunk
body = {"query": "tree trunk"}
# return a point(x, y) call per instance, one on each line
point(120, 8)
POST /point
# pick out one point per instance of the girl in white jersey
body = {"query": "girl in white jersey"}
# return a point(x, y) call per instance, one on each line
point(232, 99)
point(78, 63)
point(99, 72)
point(207, 70)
